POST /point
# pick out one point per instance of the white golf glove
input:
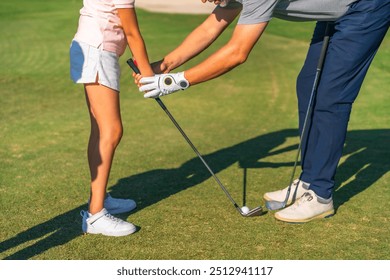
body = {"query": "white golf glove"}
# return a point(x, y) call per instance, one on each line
point(163, 84)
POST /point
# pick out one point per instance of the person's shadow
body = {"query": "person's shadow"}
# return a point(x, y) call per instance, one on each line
point(367, 160)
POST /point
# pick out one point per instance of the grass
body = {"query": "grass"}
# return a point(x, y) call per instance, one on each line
point(243, 121)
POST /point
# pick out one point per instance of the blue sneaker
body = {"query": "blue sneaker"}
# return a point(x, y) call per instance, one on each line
point(118, 205)
point(106, 224)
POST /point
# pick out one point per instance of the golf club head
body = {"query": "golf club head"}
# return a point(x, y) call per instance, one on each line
point(275, 205)
point(258, 211)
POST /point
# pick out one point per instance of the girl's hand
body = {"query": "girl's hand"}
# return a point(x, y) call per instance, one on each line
point(137, 78)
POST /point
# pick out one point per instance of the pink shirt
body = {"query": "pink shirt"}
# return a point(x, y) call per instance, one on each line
point(100, 26)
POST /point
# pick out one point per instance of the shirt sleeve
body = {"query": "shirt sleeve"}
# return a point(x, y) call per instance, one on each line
point(256, 11)
point(301, 10)
point(122, 4)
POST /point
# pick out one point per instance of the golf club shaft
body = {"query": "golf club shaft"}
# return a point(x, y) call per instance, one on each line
point(244, 187)
point(162, 105)
point(311, 104)
point(133, 66)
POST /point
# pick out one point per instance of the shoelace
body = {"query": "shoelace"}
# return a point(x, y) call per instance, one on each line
point(303, 199)
point(115, 219)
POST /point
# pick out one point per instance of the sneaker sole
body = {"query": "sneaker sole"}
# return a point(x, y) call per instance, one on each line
point(327, 214)
point(115, 234)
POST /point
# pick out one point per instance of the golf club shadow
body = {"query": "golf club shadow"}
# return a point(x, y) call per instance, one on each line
point(366, 153)
point(367, 159)
point(152, 186)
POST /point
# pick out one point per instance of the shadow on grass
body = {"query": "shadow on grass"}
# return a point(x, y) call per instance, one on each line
point(367, 160)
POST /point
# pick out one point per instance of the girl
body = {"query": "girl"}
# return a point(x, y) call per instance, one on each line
point(105, 28)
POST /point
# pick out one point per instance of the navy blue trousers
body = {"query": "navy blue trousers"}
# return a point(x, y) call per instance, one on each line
point(355, 39)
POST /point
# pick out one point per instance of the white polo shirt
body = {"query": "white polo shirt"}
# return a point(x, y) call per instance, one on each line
point(100, 26)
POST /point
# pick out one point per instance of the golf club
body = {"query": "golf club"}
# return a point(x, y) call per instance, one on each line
point(275, 205)
point(251, 213)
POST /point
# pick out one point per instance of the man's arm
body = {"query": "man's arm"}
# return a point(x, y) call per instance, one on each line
point(198, 40)
point(234, 53)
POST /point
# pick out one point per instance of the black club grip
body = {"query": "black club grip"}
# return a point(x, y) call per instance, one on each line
point(133, 66)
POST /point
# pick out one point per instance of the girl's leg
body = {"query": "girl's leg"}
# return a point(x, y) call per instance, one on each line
point(106, 132)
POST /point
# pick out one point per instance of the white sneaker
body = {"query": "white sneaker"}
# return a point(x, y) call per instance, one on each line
point(106, 224)
point(307, 208)
point(298, 188)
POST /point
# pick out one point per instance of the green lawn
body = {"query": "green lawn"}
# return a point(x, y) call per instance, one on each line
point(245, 121)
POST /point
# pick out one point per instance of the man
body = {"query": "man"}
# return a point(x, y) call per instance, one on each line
point(357, 28)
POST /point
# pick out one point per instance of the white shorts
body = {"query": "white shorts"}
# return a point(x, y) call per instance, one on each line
point(88, 63)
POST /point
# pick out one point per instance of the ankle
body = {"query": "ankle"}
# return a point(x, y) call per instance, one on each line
point(94, 210)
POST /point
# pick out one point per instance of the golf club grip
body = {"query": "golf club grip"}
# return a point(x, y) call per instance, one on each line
point(324, 48)
point(133, 66)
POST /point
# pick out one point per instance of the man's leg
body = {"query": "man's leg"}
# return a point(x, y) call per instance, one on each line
point(353, 45)
point(356, 38)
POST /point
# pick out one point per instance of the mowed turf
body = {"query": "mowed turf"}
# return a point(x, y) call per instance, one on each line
point(244, 123)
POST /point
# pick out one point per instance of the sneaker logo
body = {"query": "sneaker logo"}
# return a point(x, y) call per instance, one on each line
point(308, 196)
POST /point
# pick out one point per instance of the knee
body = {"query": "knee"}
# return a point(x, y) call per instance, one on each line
point(112, 135)
point(333, 103)
point(116, 135)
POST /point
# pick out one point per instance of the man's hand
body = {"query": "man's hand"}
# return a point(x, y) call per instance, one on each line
point(163, 84)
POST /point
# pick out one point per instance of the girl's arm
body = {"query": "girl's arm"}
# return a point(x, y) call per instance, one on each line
point(135, 41)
